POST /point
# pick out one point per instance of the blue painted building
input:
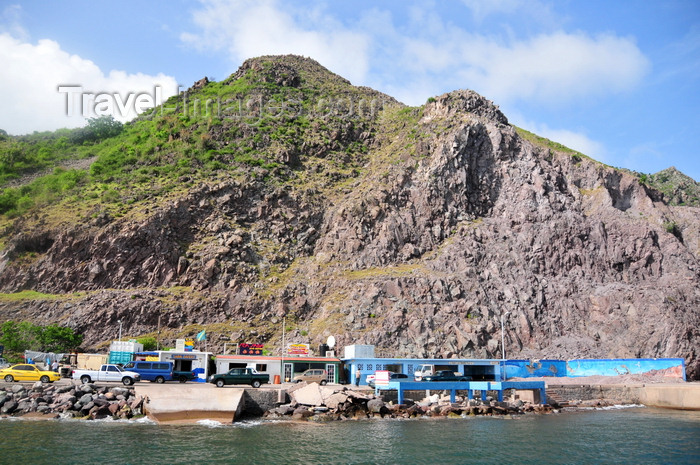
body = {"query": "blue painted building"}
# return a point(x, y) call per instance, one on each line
point(476, 369)
point(361, 358)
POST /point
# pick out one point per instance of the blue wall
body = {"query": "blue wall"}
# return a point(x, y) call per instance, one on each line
point(592, 367)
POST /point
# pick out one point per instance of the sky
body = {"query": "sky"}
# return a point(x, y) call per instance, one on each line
point(618, 81)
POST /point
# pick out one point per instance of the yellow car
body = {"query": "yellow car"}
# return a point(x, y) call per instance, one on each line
point(26, 372)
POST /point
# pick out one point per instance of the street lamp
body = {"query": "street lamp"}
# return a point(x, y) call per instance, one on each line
point(503, 340)
point(503, 344)
point(120, 329)
point(283, 378)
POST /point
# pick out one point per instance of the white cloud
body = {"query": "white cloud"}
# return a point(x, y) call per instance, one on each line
point(549, 69)
point(481, 9)
point(30, 77)
point(253, 28)
point(10, 22)
point(575, 140)
point(559, 66)
point(428, 53)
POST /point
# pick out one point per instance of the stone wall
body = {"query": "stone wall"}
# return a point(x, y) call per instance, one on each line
point(257, 401)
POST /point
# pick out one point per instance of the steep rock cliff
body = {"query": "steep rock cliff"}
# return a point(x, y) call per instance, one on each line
point(413, 229)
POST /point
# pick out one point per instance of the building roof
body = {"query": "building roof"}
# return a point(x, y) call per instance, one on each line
point(268, 358)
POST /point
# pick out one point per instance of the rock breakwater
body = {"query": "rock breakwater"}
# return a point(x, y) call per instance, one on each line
point(321, 403)
point(84, 401)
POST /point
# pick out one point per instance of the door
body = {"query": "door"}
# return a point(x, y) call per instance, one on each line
point(24, 372)
point(287, 372)
point(330, 369)
point(111, 373)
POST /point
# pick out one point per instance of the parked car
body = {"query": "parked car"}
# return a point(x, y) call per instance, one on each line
point(392, 377)
point(107, 372)
point(313, 375)
point(4, 363)
point(158, 372)
point(184, 376)
point(28, 372)
point(240, 376)
point(446, 375)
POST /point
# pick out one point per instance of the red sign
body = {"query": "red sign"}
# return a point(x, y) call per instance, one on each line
point(250, 349)
point(298, 349)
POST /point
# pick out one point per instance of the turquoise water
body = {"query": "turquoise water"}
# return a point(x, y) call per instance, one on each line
point(630, 436)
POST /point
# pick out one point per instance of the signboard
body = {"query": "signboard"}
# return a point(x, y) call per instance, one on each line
point(189, 345)
point(2, 349)
point(250, 349)
point(298, 349)
point(381, 378)
point(184, 357)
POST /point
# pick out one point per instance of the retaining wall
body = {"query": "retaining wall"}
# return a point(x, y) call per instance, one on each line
point(670, 367)
point(675, 396)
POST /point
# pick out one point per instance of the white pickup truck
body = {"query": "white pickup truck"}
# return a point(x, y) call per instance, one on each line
point(107, 373)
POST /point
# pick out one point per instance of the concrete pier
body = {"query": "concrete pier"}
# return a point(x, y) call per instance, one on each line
point(676, 396)
point(191, 402)
point(681, 396)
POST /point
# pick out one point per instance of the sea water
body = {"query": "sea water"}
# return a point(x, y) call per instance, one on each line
point(629, 436)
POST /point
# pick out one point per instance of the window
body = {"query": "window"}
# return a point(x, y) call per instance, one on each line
point(112, 368)
point(143, 366)
point(261, 367)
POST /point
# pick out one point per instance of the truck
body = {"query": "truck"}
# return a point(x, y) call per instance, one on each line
point(90, 361)
point(240, 376)
point(430, 369)
point(473, 370)
point(107, 372)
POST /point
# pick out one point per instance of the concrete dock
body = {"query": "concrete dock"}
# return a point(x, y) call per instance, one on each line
point(680, 396)
point(191, 402)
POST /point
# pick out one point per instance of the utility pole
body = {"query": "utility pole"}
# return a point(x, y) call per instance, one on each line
point(503, 344)
point(284, 325)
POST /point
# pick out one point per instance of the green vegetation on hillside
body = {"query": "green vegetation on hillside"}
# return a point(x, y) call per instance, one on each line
point(677, 188)
point(266, 122)
point(281, 121)
point(549, 144)
point(20, 336)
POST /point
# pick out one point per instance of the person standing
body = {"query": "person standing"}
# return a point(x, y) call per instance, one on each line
point(54, 366)
point(358, 375)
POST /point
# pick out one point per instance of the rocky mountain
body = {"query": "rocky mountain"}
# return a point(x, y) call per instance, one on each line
point(285, 195)
point(677, 188)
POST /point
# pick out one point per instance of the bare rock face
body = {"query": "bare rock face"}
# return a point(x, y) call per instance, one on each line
point(452, 219)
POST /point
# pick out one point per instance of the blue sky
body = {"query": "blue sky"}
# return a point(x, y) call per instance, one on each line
point(619, 81)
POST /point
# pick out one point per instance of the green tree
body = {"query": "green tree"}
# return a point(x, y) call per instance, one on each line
point(97, 129)
point(18, 337)
point(55, 338)
point(149, 342)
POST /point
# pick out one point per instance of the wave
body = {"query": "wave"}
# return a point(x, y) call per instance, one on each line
point(620, 407)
